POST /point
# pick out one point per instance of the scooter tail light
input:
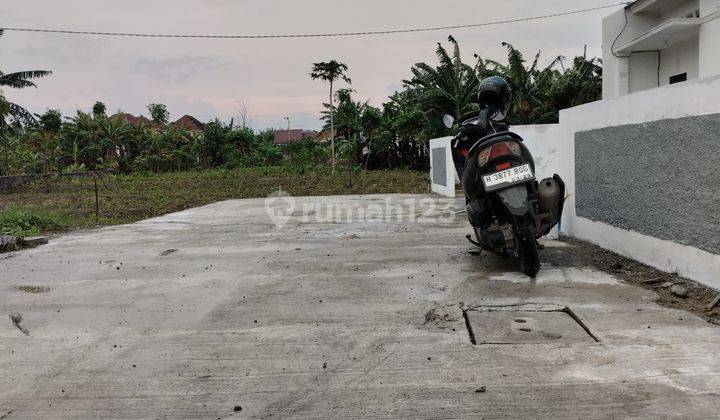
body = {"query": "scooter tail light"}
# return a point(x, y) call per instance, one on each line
point(504, 148)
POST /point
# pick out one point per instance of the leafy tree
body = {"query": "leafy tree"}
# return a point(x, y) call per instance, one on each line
point(99, 109)
point(159, 113)
point(116, 139)
point(370, 121)
point(305, 154)
point(51, 121)
point(348, 115)
point(80, 143)
point(265, 152)
point(44, 141)
point(407, 128)
point(331, 71)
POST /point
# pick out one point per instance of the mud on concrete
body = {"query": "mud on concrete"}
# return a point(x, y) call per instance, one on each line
point(673, 290)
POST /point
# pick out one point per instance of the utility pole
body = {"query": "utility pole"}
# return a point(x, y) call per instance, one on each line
point(332, 128)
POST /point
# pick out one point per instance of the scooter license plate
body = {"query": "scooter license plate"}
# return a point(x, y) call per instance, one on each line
point(508, 177)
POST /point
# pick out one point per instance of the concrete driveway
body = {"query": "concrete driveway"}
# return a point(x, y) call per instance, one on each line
point(214, 312)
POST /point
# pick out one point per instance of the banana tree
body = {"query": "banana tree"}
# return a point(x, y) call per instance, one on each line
point(449, 88)
point(530, 86)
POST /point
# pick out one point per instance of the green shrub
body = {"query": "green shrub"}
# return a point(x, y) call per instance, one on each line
point(22, 223)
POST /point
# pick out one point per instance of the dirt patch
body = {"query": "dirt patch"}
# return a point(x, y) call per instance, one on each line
point(9, 243)
point(17, 319)
point(33, 289)
point(440, 321)
point(673, 290)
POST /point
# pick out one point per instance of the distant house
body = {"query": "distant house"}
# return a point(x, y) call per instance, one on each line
point(283, 137)
point(186, 122)
point(133, 120)
point(325, 135)
point(310, 134)
point(189, 123)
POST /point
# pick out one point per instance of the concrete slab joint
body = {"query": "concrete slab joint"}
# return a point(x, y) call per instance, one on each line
point(526, 324)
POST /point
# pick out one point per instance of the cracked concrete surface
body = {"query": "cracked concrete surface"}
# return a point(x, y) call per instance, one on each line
point(327, 320)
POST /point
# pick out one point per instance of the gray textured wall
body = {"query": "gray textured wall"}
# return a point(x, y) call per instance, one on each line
point(439, 166)
point(660, 178)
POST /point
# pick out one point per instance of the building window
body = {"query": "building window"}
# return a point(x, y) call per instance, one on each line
point(678, 78)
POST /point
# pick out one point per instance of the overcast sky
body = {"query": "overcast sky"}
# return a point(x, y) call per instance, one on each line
point(208, 78)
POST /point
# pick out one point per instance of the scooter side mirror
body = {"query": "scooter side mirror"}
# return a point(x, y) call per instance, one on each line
point(448, 120)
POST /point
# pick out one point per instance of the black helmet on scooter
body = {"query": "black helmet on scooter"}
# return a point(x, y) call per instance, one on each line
point(495, 92)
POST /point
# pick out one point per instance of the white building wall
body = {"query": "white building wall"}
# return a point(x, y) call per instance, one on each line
point(697, 56)
point(684, 9)
point(610, 63)
point(613, 66)
point(709, 63)
point(643, 71)
point(676, 59)
point(698, 97)
point(680, 58)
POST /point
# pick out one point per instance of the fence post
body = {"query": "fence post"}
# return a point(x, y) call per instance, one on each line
point(97, 200)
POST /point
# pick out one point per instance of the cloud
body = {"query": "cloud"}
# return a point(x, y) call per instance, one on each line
point(177, 69)
point(208, 77)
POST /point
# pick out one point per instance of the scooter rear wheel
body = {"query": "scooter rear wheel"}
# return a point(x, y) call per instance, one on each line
point(529, 259)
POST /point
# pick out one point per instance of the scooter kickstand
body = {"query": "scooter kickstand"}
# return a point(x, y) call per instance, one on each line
point(470, 239)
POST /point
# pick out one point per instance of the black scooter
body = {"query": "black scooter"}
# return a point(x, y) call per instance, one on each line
point(507, 208)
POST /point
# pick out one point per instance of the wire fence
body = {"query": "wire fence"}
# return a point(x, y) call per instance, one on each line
point(77, 192)
point(45, 203)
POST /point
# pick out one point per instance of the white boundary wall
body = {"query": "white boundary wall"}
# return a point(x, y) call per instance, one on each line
point(445, 186)
point(543, 142)
point(553, 147)
point(698, 97)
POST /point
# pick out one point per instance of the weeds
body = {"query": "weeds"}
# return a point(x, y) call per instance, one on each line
point(20, 222)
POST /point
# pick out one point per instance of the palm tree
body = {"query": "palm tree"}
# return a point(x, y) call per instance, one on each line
point(330, 72)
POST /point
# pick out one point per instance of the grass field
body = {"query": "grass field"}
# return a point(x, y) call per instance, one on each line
point(66, 204)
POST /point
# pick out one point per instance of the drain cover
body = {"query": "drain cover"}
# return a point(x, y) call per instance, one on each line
point(526, 327)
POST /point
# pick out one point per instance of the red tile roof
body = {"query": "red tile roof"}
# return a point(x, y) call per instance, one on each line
point(287, 136)
point(325, 134)
point(188, 122)
point(133, 120)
